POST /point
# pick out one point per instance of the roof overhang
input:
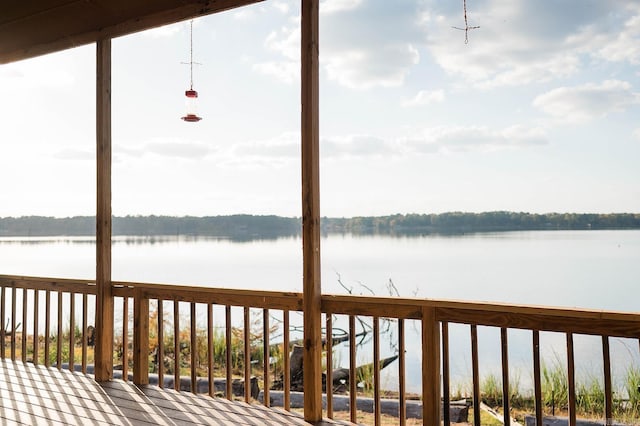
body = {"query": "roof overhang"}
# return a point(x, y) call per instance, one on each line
point(31, 28)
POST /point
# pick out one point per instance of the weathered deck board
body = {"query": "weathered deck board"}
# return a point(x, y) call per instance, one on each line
point(38, 395)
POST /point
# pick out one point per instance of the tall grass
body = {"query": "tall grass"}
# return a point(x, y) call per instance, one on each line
point(590, 395)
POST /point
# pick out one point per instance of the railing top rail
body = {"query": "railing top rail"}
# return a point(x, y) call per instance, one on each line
point(543, 318)
point(54, 284)
point(345, 303)
point(222, 296)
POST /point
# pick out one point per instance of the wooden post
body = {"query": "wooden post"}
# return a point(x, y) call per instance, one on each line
point(430, 367)
point(312, 357)
point(104, 294)
point(140, 339)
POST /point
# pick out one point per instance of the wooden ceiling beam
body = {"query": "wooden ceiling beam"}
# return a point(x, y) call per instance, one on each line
point(31, 28)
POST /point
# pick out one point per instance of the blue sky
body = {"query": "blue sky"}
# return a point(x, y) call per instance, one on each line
point(539, 112)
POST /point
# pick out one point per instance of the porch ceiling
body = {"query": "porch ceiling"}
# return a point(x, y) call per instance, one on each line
point(30, 28)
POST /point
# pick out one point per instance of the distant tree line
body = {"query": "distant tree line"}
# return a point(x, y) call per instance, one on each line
point(249, 227)
point(460, 222)
point(234, 226)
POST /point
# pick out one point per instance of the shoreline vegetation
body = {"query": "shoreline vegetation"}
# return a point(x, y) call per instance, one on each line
point(248, 227)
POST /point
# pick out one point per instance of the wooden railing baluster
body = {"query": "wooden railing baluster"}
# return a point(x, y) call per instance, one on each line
point(266, 356)
point(13, 324)
point(537, 384)
point(571, 380)
point(376, 370)
point(608, 396)
point(36, 343)
point(229, 367)
point(402, 375)
point(176, 344)
point(84, 333)
point(2, 323)
point(160, 352)
point(475, 375)
point(505, 376)
point(352, 370)
point(24, 324)
point(47, 328)
point(247, 355)
point(59, 337)
point(194, 349)
point(329, 374)
point(210, 349)
point(287, 363)
point(446, 390)
point(125, 338)
point(72, 330)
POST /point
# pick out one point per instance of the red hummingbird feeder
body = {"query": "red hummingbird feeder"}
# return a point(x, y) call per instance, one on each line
point(191, 115)
point(192, 112)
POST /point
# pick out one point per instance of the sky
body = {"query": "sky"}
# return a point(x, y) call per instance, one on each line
point(538, 112)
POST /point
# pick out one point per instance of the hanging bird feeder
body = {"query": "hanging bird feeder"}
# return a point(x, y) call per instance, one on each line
point(191, 104)
point(191, 95)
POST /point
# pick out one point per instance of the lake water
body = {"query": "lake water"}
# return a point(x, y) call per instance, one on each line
point(587, 269)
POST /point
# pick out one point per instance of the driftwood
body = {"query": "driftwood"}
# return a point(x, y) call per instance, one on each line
point(4, 330)
point(340, 376)
point(334, 341)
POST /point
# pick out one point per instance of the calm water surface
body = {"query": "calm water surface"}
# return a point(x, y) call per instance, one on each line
point(588, 269)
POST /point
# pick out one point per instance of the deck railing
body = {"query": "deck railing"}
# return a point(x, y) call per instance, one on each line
point(50, 298)
point(149, 331)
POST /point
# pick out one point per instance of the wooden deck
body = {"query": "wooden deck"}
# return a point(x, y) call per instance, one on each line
point(32, 395)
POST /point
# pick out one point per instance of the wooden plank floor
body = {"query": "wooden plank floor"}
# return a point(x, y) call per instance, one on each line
point(34, 395)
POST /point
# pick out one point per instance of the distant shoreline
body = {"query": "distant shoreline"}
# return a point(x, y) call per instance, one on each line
point(243, 226)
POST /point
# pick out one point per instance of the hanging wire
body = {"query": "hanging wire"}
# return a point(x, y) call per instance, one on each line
point(191, 63)
point(191, 49)
point(466, 28)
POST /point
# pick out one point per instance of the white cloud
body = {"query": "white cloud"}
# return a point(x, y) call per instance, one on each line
point(371, 43)
point(333, 6)
point(286, 43)
point(363, 44)
point(364, 69)
point(474, 138)
point(281, 6)
point(425, 97)
point(166, 147)
point(284, 147)
point(636, 133)
point(622, 44)
point(286, 71)
point(525, 42)
point(356, 146)
point(583, 103)
point(75, 154)
point(244, 14)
